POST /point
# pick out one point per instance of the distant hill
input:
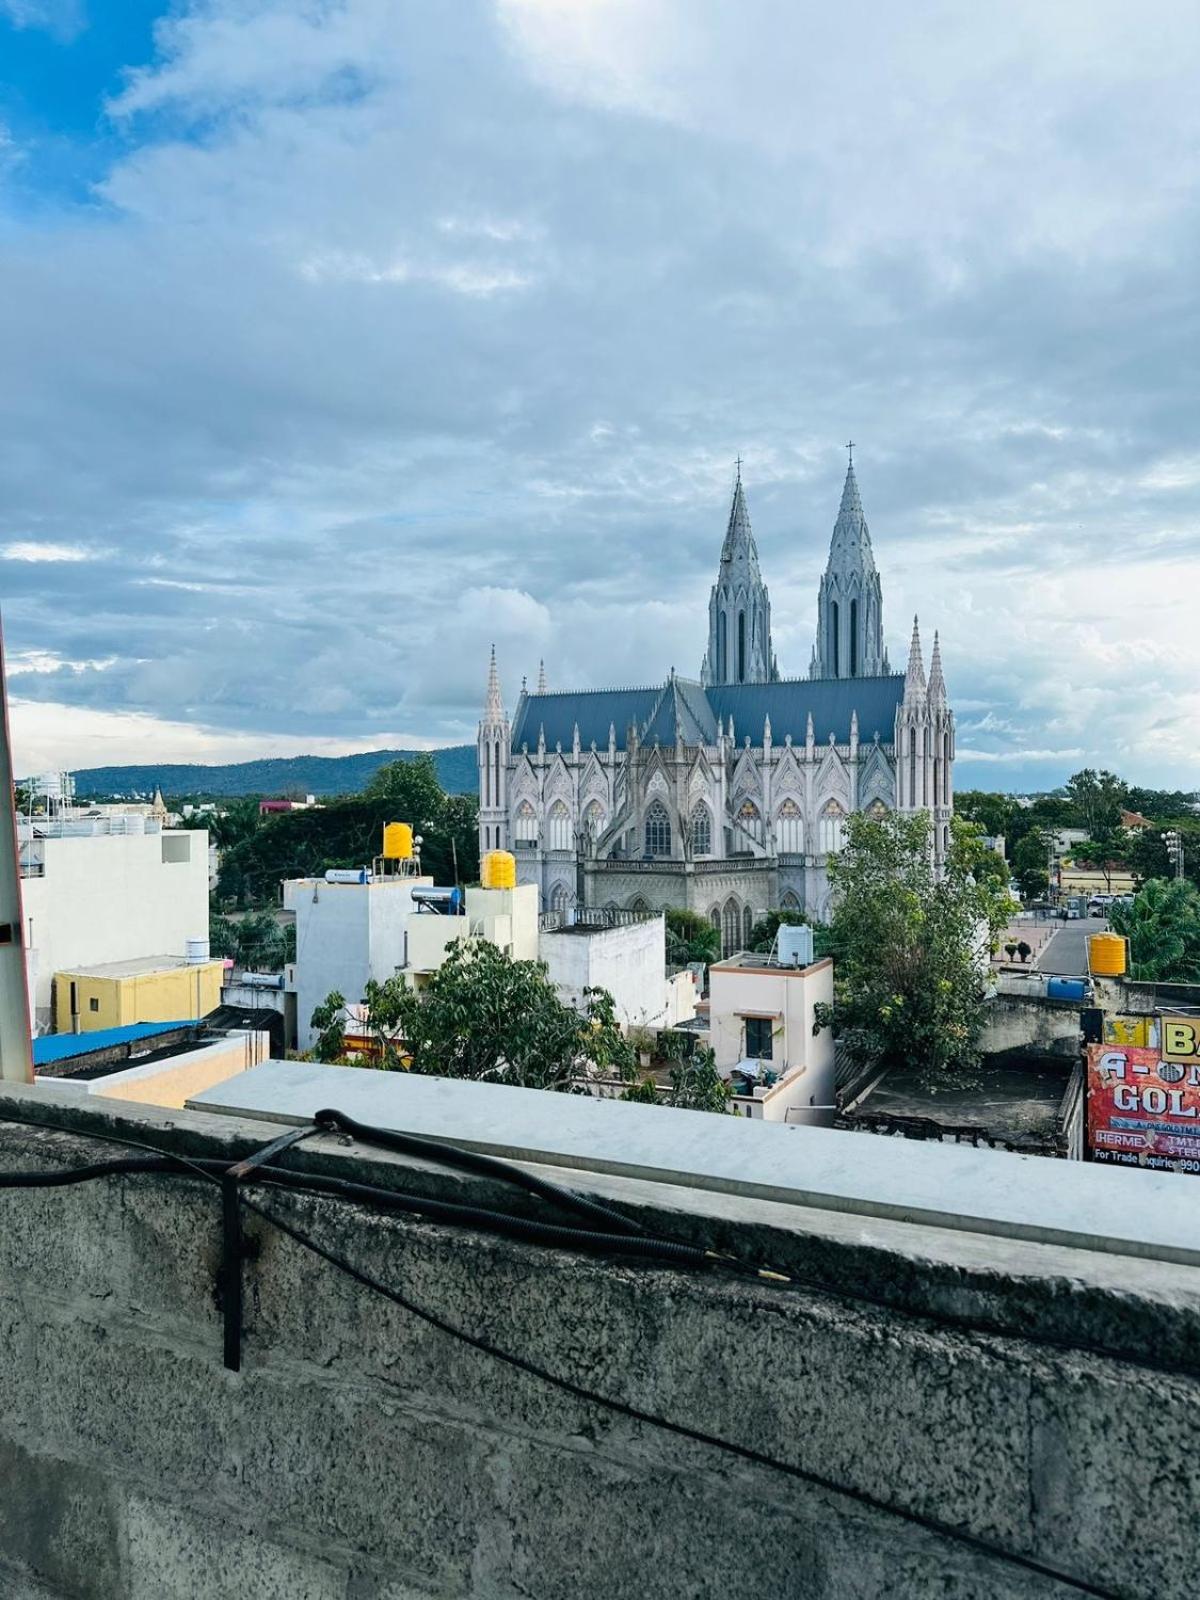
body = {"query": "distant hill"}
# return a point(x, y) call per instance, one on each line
point(320, 775)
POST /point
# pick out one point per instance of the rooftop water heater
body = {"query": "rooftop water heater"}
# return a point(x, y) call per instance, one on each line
point(16, 1047)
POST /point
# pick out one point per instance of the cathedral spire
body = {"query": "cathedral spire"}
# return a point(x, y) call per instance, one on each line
point(937, 684)
point(541, 688)
point(850, 604)
point(493, 706)
point(739, 607)
point(914, 678)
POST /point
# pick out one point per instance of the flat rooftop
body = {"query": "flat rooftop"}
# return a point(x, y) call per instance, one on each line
point(1013, 1100)
point(139, 967)
point(756, 961)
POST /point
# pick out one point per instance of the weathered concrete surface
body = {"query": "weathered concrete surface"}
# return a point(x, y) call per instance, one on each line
point(363, 1455)
point(1031, 1022)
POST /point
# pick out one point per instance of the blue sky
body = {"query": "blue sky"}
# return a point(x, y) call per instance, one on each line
point(341, 339)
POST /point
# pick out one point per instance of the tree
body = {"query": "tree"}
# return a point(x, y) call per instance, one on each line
point(1029, 858)
point(484, 1016)
point(411, 787)
point(910, 948)
point(690, 937)
point(329, 1019)
point(1162, 924)
point(993, 812)
point(696, 1085)
point(1107, 854)
point(1097, 798)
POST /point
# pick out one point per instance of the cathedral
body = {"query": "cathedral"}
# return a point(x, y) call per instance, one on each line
point(727, 794)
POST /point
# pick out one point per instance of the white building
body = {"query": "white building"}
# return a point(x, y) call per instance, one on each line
point(627, 959)
point(346, 933)
point(762, 1017)
point(106, 889)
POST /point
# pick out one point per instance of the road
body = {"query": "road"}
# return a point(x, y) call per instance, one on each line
point(1066, 954)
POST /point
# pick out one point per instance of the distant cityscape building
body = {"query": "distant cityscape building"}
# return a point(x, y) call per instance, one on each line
point(727, 795)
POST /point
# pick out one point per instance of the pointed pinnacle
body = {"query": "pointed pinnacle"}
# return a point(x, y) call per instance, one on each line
point(541, 688)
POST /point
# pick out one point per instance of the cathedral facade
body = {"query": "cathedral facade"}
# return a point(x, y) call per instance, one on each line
point(727, 794)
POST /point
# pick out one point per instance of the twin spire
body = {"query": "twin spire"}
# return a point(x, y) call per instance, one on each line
point(915, 686)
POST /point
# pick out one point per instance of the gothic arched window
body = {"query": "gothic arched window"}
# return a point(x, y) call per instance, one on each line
point(560, 897)
point(854, 638)
point(701, 829)
point(789, 829)
point(525, 828)
point(750, 819)
point(833, 828)
point(741, 647)
point(658, 830)
point(559, 827)
point(731, 928)
point(790, 902)
point(833, 640)
point(747, 925)
point(593, 819)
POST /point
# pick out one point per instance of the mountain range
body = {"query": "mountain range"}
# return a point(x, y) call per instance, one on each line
point(290, 775)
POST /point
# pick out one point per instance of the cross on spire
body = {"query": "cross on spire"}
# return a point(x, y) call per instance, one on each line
point(738, 464)
point(850, 451)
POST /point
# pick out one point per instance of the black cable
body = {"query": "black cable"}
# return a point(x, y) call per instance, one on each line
point(452, 1155)
point(682, 1430)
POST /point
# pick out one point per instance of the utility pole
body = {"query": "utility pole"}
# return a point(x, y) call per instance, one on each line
point(1174, 850)
point(16, 1047)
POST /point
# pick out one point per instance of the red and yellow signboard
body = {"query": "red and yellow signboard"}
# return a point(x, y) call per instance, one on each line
point(1144, 1104)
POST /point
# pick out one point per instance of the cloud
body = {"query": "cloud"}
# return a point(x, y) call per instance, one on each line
point(65, 19)
point(31, 550)
point(377, 342)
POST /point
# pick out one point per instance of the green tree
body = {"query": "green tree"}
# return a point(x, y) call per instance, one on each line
point(410, 786)
point(690, 937)
point(1162, 924)
point(993, 812)
point(1097, 799)
point(484, 1016)
point(910, 947)
point(1029, 859)
point(1107, 854)
point(696, 1085)
point(329, 1020)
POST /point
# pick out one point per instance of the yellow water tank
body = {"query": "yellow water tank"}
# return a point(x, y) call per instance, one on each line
point(397, 841)
point(498, 870)
point(1107, 954)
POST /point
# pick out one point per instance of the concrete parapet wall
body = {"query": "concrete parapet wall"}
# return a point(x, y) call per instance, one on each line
point(1031, 1022)
point(363, 1455)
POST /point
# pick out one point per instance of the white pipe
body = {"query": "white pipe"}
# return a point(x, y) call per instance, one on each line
point(16, 1047)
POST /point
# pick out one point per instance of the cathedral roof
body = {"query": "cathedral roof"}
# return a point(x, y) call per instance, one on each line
point(682, 706)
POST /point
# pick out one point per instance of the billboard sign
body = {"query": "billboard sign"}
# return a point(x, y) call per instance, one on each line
point(1143, 1105)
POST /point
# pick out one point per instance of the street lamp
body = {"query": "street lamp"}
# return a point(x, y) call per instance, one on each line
point(1174, 846)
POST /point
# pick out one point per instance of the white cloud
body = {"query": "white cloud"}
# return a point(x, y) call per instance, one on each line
point(36, 550)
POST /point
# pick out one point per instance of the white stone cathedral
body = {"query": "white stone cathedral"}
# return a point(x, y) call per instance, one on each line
point(729, 794)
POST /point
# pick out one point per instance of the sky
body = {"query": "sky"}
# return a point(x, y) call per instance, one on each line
point(340, 340)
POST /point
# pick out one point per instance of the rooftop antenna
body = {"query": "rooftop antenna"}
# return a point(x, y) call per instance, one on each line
point(16, 1046)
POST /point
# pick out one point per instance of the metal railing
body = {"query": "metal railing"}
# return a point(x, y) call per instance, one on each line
point(591, 917)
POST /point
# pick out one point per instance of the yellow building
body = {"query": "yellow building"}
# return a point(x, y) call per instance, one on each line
point(1084, 880)
point(153, 989)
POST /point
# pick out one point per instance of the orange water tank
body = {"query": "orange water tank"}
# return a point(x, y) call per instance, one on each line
point(1108, 955)
point(498, 870)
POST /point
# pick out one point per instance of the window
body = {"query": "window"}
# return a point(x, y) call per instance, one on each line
point(560, 897)
point(833, 640)
point(854, 638)
point(593, 820)
point(741, 647)
point(758, 1038)
point(525, 828)
point(722, 649)
point(833, 828)
point(751, 819)
point(789, 830)
point(94, 1004)
point(731, 928)
point(790, 902)
point(559, 829)
point(714, 916)
point(658, 830)
point(747, 925)
point(701, 830)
